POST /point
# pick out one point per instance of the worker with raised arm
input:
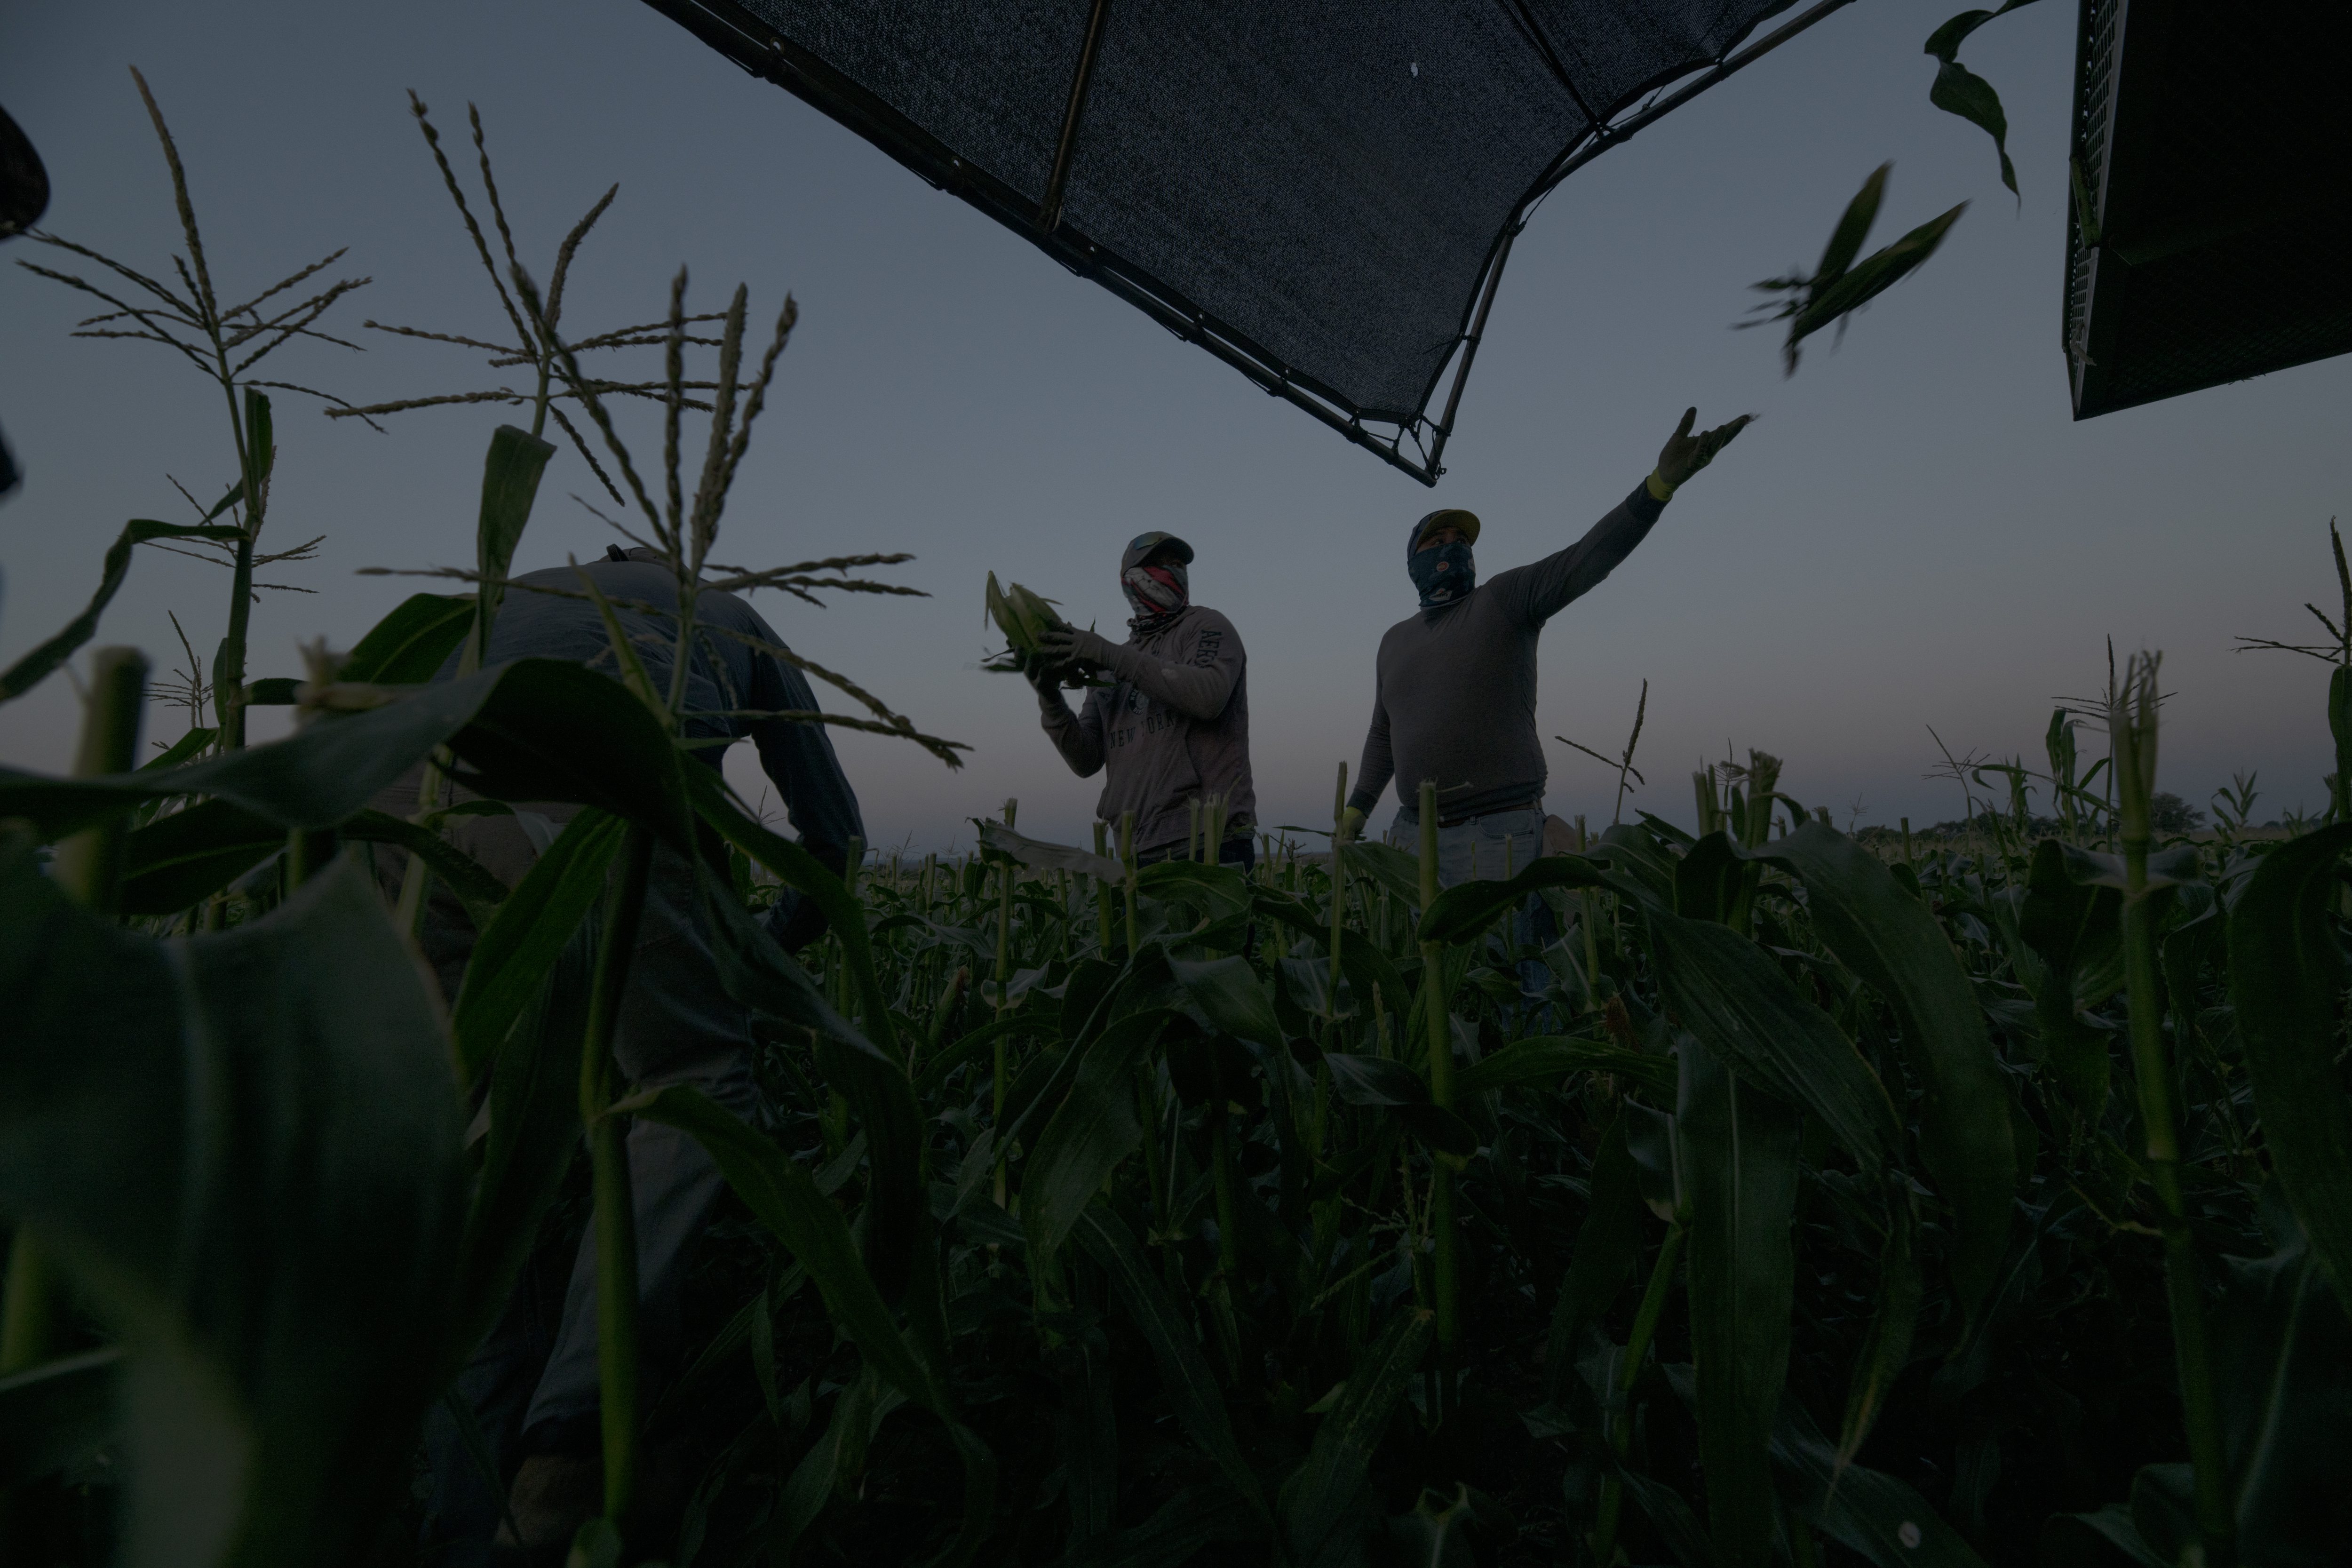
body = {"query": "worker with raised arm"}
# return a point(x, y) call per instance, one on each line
point(1454, 695)
point(1172, 732)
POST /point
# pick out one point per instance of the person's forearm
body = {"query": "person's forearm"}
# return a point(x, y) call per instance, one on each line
point(1373, 770)
point(1081, 747)
point(1197, 691)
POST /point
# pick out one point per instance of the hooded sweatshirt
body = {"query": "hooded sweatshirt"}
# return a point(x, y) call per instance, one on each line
point(1453, 698)
point(1173, 730)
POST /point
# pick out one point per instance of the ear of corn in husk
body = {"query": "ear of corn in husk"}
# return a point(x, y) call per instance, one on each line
point(1024, 617)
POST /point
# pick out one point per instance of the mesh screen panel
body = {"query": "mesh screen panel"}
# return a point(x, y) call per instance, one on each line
point(1319, 187)
point(2211, 142)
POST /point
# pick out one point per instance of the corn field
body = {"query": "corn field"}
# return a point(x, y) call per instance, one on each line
point(1732, 1197)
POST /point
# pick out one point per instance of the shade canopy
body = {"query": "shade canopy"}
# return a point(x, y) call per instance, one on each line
point(2211, 239)
point(1322, 192)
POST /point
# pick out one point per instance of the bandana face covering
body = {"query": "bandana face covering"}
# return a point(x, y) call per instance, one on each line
point(1155, 594)
point(1442, 573)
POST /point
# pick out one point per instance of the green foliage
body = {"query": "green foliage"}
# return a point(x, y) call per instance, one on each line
point(1958, 90)
point(1205, 1306)
point(244, 1149)
point(1840, 286)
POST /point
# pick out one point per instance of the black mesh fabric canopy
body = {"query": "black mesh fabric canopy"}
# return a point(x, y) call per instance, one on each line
point(1322, 192)
point(2212, 237)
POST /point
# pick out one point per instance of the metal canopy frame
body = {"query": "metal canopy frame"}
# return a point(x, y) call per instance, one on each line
point(1416, 445)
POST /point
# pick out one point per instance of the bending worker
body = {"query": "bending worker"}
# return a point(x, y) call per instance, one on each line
point(533, 1385)
point(1174, 732)
point(1453, 698)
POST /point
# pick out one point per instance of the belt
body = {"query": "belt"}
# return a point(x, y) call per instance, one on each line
point(1444, 821)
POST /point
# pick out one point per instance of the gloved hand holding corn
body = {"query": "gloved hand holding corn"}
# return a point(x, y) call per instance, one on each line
point(1028, 621)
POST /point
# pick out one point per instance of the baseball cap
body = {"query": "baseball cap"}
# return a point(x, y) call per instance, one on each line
point(1444, 516)
point(1143, 544)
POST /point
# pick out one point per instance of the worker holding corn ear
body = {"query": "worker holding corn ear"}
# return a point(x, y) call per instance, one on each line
point(1171, 733)
point(1453, 694)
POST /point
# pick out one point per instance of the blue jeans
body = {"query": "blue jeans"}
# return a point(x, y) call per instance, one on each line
point(1484, 849)
point(1491, 848)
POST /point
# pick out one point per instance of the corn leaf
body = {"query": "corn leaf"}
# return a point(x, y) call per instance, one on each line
point(178, 861)
point(537, 728)
point(1221, 891)
point(1738, 1153)
point(1709, 878)
point(1462, 911)
point(1393, 1086)
point(1868, 279)
point(1390, 867)
point(534, 1112)
point(1675, 1519)
point(1195, 1517)
point(58, 1414)
point(2284, 1371)
point(995, 839)
point(806, 874)
point(408, 647)
point(1729, 992)
point(1868, 1511)
point(2075, 930)
point(475, 887)
point(1230, 997)
point(759, 974)
point(35, 666)
point(1546, 1059)
point(865, 1068)
point(181, 750)
point(510, 474)
point(519, 947)
point(2286, 973)
point(1853, 227)
point(836, 1461)
point(1958, 91)
point(1323, 1518)
point(1886, 1348)
point(1365, 967)
point(1608, 1245)
point(1890, 941)
point(245, 1147)
point(1087, 1434)
point(1184, 1375)
point(1092, 1128)
point(785, 1199)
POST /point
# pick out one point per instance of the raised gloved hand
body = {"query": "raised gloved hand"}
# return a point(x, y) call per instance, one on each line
point(1351, 824)
point(1685, 454)
point(1067, 646)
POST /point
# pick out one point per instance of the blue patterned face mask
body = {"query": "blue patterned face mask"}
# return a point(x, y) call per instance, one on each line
point(1442, 573)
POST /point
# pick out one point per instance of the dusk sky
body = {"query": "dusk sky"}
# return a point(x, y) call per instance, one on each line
point(1915, 533)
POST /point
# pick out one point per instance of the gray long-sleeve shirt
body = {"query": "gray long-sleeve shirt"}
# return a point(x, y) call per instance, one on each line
point(725, 679)
point(1174, 730)
point(1455, 692)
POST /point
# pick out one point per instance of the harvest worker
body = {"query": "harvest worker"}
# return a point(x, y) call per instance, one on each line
point(535, 1394)
point(1174, 732)
point(1453, 694)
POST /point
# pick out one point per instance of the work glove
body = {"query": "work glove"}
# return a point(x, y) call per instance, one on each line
point(1351, 824)
point(1067, 646)
point(1685, 454)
